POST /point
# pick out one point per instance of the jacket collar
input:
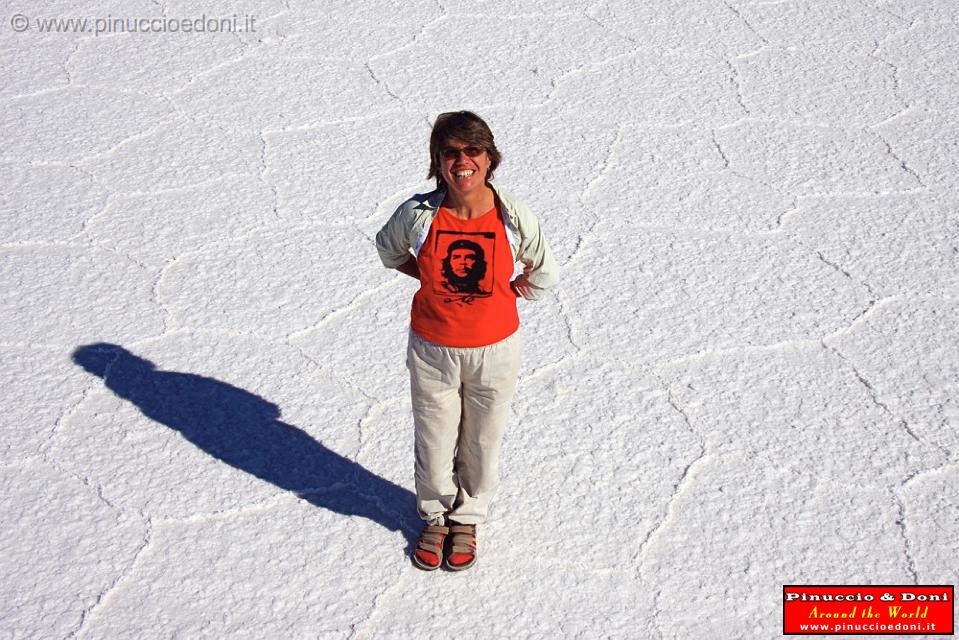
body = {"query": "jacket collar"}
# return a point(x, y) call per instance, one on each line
point(429, 201)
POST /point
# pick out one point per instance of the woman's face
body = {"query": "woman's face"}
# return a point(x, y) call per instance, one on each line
point(463, 167)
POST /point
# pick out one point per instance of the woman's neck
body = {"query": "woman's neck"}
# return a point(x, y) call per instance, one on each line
point(467, 206)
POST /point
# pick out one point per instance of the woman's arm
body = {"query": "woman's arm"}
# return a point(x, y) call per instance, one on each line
point(540, 271)
point(409, 268)
point(392, 241)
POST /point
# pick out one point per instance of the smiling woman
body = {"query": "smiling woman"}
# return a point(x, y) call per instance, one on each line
point(462, 242)
point(463, 155)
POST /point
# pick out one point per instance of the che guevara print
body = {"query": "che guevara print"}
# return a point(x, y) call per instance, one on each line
point(465, 262)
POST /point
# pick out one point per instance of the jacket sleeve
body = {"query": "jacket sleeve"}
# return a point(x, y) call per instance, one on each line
point(540, 270)
point(393, 240)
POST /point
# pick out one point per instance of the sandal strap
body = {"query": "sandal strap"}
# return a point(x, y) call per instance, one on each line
point(434, 529)
point(432, 538)
point(463, 538)
point(463, 529)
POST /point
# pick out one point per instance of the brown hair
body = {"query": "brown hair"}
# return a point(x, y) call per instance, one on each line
point(465, 126)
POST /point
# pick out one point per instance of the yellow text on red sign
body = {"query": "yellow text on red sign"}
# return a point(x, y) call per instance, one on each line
point(868, 609)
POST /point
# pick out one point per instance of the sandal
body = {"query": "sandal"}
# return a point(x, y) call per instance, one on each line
point(463, 549)
point(429, 548)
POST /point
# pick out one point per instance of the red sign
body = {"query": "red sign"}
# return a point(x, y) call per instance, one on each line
point(868, 609)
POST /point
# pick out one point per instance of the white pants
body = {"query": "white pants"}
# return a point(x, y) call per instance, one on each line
point(461, 402)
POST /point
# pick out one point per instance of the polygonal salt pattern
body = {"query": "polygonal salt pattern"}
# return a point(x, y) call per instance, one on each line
point(349, 31)
point(73, 123)
point(723, 201)
point(817, 88)
point(194, 424)
point(260, 293)
point(46, 203)
point(665, 295)
point(651, 88)
point(713, 177)
point(273, 566)
point(927, 141)
point(179, 154)
point(714, 30)
point(41, 386)
point(800, 469)
point(65, 295)
point(908, 351)
point(339, 173)
point(924, 57)
point(770, 400)
point(365, 344)
point(519, 70)
point(154, 229)
point(676, 178)
point(745, 525)
point(813, 160)
point(839, 27)
point(604, 431)
point(655, 157)
point(545, 334)
point(920, 10)
point(247, 95)
point(30, 69)
point(64, 548)
point(518, 593)
point(386, 437)
point(152, 63)
point(664, 177)
point(899, 245)
point(532, 9)
point(933, 524)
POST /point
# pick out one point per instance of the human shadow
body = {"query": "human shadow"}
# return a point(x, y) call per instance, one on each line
point(244, 430)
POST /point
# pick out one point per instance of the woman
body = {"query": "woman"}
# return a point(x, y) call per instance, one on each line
point(464, 349)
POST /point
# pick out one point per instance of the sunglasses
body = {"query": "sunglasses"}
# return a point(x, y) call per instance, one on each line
point(450, 153)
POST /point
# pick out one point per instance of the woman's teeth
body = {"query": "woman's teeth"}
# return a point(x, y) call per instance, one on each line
point(463, 174)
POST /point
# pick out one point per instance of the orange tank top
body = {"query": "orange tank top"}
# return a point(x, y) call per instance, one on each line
point(464, 299)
